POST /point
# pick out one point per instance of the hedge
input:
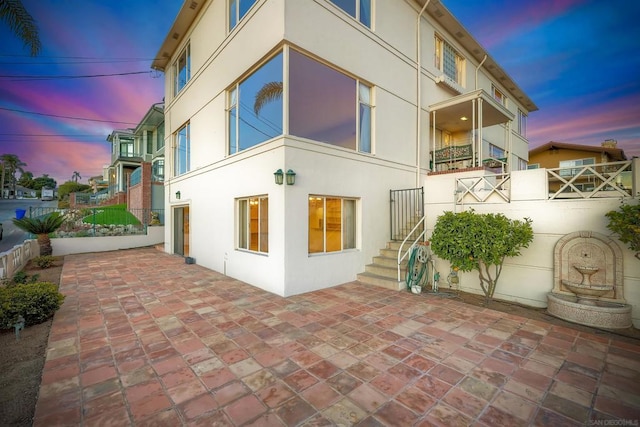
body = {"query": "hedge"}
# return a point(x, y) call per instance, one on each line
point(35, 302)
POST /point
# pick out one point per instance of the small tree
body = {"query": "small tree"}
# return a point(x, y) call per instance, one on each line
point(41, 227)
point(471, 241)
point(625, 223)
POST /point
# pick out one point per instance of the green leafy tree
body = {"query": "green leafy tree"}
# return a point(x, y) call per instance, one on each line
point(44, 181)
point(625, 223)
point(10, 165)
point(26, 179)
point(14, 14)
point(471, 241)
point(71, 187)
point(41, 227)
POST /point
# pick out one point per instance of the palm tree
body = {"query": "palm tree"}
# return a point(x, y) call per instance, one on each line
point(76, 176)
point(13, 13)
point(10, 165)
point(41, 227)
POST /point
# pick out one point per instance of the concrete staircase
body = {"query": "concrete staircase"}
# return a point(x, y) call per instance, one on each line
point(383, 271)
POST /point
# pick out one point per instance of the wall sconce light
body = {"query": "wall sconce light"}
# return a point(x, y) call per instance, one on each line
point(279, 176)
point(291, 177)
point(178, 195)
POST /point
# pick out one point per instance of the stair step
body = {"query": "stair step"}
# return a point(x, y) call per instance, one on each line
point(380, 270)
point(381, 281)
point(391, 262)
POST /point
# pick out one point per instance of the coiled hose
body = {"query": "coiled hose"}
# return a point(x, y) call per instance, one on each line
point(417, 267)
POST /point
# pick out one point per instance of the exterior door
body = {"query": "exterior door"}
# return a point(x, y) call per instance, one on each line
point(181, 231)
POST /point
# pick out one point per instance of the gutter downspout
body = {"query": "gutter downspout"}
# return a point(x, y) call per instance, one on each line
point(419, 91)
point(477, 68)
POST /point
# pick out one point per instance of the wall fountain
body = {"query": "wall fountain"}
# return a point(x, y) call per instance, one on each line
point(588, 282)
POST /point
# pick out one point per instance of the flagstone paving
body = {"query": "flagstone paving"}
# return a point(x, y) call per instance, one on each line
point(145, 339)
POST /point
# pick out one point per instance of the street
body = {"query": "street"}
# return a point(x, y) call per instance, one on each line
point(11, 234)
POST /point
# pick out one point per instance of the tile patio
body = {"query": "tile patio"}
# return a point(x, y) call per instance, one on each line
point(145, 339)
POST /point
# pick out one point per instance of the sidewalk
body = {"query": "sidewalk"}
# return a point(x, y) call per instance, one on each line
point(145, 339)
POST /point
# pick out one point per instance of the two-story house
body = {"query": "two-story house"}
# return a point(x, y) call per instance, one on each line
point(288, 122)
point(130, 148)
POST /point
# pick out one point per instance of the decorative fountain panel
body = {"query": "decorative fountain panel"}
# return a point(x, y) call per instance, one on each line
point(588, 282)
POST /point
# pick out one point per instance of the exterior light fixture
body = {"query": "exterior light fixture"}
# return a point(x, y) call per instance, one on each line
point(178, 195)
point(464, 118)
point(279, 176)
point(291, 177)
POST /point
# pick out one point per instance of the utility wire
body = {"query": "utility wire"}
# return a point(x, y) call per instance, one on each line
point(32, 78)
point(66, 117)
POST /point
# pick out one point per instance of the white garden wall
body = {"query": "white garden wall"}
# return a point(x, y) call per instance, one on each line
point(528, 278)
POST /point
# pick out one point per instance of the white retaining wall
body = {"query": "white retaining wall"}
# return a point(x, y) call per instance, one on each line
point(528, 278)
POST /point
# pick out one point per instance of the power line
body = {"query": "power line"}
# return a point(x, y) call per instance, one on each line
point(66, 117)
point(32, 78)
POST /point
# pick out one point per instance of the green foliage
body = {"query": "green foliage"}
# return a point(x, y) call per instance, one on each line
point(45, 225)
point(108, 215)
point(71, 187)
point(625, 223)
point(471, 241)
point(35, 302)
point(44, 261)
point(21, 278)
point(44, 181)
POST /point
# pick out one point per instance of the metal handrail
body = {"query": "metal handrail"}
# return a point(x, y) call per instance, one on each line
point(420, 236)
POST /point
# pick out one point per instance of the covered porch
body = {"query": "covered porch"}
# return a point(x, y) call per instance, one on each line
point(459, 139)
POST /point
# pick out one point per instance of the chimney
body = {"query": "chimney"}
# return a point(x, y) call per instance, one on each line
point(610, 143)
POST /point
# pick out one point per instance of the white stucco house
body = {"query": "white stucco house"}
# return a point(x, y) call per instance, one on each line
point(356, 98)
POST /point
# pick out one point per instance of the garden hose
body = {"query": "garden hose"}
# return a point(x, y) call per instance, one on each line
point(417, 267)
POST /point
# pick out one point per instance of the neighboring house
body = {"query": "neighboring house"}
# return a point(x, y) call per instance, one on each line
point(146, 183)
point(329, 91)
point(570, 158)
point(21, 192)
point(131, 148)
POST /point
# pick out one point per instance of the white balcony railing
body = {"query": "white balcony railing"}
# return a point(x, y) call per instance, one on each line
point(591, 181)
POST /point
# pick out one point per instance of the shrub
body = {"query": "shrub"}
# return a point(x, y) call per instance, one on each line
point(625, 223)
point(35, 302)
point(44, 261)
point(481, 242)
point(21, 278)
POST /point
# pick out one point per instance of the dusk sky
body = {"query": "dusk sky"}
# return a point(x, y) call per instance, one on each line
point(578, 60)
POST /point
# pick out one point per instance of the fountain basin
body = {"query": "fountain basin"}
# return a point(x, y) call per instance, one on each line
point(590, 290)
point(605, 315)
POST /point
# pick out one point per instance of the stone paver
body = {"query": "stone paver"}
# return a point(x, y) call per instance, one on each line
point(145, 339)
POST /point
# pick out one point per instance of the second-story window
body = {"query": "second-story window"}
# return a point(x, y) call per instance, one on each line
point(182, 70)
point(498, 95)
point(359, 9)
point(182, 151)
point(237, 10)
point(449, 61)
point(149, 142)
point(126, 147)
point(522, 123)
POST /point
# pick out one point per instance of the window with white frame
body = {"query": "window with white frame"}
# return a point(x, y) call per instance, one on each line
point(237, 10)
point(182, 70)
point(332, 224)
point(126, 147)
point(496, 152)
point(149, 142)
point(358, 9)
point(533, 166)
point(254, 111)
point(160, 136)
point(522, 123)
point(521, 164)
point(566, 166)
point(449, 61)
point(182, 151)
point(336, 109)
point(498, 95)
point(157, 170)
point(253, 224)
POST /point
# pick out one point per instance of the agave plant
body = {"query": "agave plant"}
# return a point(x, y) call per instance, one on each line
point(41, 227)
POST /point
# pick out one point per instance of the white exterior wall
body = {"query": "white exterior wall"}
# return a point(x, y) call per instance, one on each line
point(384, 58)
point(529, 277)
